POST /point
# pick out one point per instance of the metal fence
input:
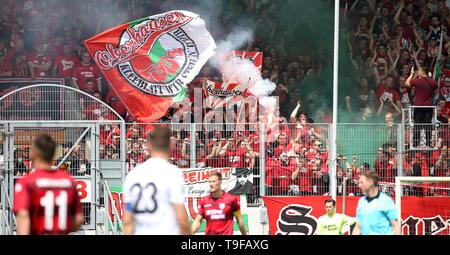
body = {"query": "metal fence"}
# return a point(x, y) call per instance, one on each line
point(389, 151)
point(362, 147)
point(79, 123)
point(285, 159)
point(437, 188)
point(7, 218)
point(292, 159)
point(98, 148)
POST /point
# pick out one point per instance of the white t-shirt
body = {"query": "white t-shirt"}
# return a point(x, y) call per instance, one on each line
point(150, 190)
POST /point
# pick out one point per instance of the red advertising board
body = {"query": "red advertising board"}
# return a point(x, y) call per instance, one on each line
point(298, 215)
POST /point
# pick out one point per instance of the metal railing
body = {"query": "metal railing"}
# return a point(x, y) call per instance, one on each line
point(275, 157)
point(112, 224)
point(7, 217)
point(287, 160)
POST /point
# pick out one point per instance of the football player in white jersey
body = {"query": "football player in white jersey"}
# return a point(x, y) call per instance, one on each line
point(154, 192)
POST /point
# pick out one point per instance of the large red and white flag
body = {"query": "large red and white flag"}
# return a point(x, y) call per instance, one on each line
point(150, 61)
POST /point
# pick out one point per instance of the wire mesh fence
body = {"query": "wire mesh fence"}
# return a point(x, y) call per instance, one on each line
point(389, 150)
point(423, 196)
point(287, 159)
point(295, 159)
point(73, 155)
point(363, 147)
point(55, 103)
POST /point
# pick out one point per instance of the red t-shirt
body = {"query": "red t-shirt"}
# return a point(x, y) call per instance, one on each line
point(271, 165)
point(408, 32)
point(116, 104)
point(284, 172)
point(81, 73)
point(425, 24)
point(236, 157)
point(381, 89)
point(40, 60)
point(255, 144)
point(28, 164)
point(45, 194)
point(305, 178)
point(280, 149)
point(134, 159)
point(218, 213)
point(92, 110)
point(65, 64)
point(444, 111)
point(310, 154)
point(445, 92)
point(424, 89)
point(174, 157)
point(6, 66)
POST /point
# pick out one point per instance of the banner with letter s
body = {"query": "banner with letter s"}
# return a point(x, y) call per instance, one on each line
point(298, 215)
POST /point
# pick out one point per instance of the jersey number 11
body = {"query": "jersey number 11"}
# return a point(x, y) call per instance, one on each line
point(48, 201)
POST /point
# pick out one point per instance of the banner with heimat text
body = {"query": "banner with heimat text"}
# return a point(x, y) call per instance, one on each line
point(191, 205)
point(236, 181)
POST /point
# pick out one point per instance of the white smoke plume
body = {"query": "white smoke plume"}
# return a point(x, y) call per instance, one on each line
point(242, 71)
point(263, 87)
point(268, 102)
point(209, 11)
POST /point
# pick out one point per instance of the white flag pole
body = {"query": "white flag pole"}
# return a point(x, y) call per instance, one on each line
point(242, 102)
point(332, 144)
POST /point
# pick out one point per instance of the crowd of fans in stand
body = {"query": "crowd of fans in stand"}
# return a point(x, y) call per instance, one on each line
point(31, 48)
point(388, 42)
point(386, 39)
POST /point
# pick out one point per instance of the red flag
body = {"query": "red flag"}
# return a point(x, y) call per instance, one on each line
point(255, 57)
point(149, 62)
